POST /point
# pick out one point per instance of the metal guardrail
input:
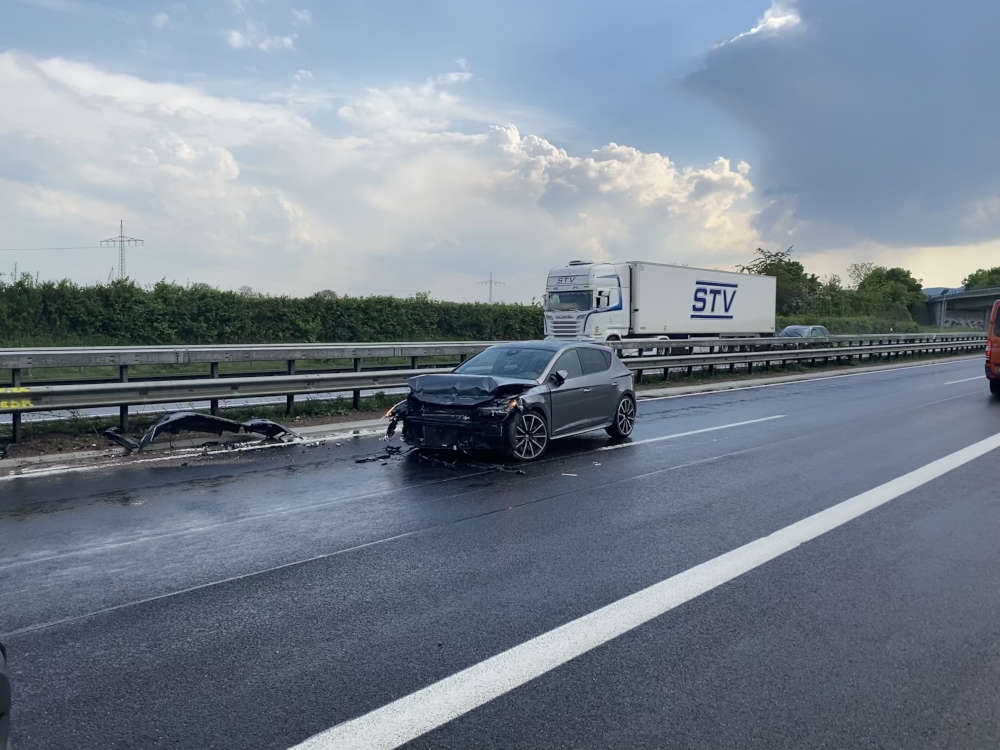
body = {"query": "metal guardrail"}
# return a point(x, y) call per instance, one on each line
point(39, 397)
point(118, 356)
point(88, 395)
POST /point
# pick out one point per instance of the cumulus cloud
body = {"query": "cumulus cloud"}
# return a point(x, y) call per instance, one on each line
point(783, 15)
point(160, 20)
point(876, 122)
point(302, 17)
point(419, 189)
point(254, 34)
point(302, 75)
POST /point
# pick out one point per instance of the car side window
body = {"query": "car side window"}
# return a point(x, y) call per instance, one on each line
point(594, 360)
point(570, 362)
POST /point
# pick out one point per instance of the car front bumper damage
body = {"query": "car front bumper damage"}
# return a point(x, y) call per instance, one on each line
point(460, 429)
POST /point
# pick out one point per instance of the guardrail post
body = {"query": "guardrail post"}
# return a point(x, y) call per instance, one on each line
point(15, 418)
point(462, 358)
point(356, 395)
point(213, 405)
point(123, 408)
point(290, 397)
point(413, 363)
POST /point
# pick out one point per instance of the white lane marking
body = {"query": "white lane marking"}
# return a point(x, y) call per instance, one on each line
point(964, 380)
point(347, 550)
point(200, 586)
point(689, 432)
point(956, 361)
point(413, 715)
point(305, 508)
point(16, 563)
point(117, 462)
point(966, 394)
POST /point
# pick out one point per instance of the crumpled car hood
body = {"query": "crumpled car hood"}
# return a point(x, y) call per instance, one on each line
point(464, 390)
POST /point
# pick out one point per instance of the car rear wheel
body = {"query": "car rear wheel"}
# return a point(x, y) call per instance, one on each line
point(624, 419)
point(995, 387)
point(529, 436)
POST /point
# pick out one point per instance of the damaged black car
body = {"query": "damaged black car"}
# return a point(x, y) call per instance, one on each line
point(517, 398)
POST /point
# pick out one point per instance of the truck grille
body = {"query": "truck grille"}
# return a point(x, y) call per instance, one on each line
point(565, 329)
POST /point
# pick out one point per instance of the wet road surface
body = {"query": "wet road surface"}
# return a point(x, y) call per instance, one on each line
point(256, 599)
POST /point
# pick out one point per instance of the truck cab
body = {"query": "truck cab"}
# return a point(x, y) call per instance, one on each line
point(588, 301)
point(993, 350)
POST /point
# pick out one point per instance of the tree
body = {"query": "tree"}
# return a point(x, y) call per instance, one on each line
point(984, 278)
point(796, 290)
point(891, 291)
point(858, 272)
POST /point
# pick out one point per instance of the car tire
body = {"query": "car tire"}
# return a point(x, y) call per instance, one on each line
point(528, 436)
point(623, 420)
point(995, 387)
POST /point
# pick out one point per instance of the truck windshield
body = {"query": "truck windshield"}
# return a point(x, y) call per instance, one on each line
point(568, 301)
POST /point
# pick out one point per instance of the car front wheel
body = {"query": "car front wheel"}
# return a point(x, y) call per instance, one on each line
point(529, 436)
point(624, 419)
point(995, 387)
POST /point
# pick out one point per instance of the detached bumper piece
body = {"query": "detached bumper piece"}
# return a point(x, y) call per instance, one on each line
point(195, 422)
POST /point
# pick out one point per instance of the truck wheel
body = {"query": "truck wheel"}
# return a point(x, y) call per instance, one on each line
point(528, 436)
point(995, 387)
point(624, 418)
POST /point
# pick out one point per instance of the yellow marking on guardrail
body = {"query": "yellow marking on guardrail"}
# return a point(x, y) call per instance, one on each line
point(18, 389)
point(17, 403)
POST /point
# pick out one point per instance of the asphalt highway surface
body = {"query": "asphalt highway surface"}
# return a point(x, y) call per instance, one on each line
point(811, 564)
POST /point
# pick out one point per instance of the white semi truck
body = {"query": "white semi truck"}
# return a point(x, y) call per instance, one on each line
point(635, 299)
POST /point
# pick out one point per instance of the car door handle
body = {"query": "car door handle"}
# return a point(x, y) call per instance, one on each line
point(587, 390)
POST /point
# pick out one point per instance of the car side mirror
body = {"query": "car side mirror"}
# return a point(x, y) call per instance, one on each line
point(559, 377)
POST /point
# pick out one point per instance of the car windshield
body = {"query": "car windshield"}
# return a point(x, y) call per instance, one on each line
point(524, 363)
point(795, 331)
point(568, 301)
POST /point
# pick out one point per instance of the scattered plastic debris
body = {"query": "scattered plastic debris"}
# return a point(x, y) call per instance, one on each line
point(462, 461)
point(114, 434)
point(391, 451)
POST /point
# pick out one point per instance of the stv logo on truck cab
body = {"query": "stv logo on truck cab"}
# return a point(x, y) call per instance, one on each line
point(713, 299)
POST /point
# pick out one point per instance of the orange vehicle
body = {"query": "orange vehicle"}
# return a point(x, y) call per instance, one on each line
point(993, 350)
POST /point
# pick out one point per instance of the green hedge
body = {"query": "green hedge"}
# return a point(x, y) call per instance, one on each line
point(837, 325)
point(121, 313)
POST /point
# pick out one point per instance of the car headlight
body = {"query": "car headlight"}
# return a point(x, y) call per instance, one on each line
point(499, 408)
point(396, 410)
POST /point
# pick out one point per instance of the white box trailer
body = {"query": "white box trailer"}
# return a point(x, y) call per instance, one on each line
point(636, 299)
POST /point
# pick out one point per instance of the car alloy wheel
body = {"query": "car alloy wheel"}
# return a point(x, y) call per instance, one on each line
point(623, 420)
point(625, 416)
point(531, 436)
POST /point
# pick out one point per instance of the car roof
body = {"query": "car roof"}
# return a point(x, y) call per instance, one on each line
point(551, 345)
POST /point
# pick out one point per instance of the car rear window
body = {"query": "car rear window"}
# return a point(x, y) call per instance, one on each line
point(594, 360)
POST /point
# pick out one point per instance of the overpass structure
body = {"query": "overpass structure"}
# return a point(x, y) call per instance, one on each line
point(958, 308)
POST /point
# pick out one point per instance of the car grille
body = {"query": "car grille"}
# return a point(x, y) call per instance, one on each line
point(446, 417)
point(565, 329)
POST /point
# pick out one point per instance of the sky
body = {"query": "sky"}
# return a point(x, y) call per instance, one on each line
point(399, 147)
